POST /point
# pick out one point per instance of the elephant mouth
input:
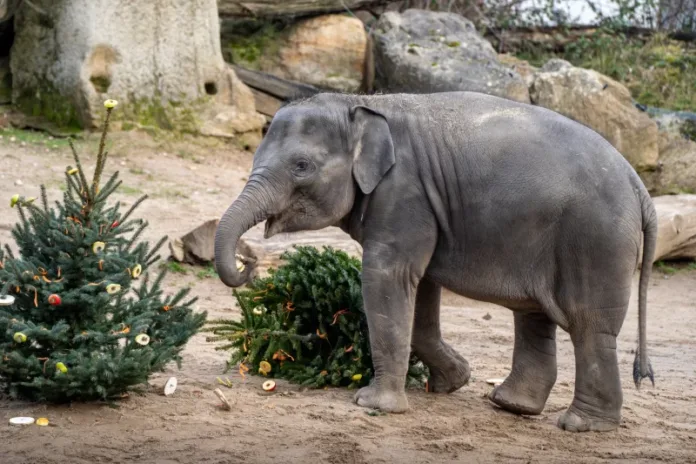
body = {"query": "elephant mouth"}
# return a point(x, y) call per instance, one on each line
point(271, 227)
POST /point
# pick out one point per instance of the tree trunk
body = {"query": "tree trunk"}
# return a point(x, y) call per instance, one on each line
point(277, 8)
point(161, 59)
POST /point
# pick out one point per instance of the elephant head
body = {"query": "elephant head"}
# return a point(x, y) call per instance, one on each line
point(306, 173)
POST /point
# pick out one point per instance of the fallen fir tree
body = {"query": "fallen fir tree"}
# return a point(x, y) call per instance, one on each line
point(305, 323)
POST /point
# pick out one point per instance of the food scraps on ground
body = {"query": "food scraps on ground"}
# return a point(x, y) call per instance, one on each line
point(225, 402)
point(42, 421)
point(22, 421)
point(264, 367)
point(495, 382)
point(269, 386)
point(170, 386)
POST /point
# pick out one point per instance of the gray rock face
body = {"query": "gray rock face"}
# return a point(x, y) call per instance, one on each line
point(161, 59)
point(423, 51)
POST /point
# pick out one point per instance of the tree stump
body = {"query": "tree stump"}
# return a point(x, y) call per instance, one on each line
point(161, 59)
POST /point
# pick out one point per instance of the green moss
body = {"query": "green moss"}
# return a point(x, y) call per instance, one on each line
point(48, 103)
point(248, 50)
point(453, 44)
point(155, 113)
point(658, 71)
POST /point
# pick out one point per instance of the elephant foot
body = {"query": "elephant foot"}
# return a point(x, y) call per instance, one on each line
point(384, 400)
point(575, 421)
point(449, 380)
point(518, 400)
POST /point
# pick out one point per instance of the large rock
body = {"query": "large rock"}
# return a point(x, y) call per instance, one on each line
point(423, 51)
point(600, 103)
point(160, 58)
point(676, 167)
point(330, 52)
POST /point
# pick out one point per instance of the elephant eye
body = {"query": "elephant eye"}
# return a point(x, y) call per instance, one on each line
point(303, 167)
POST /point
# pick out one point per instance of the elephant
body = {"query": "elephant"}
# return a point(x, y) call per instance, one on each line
point(496, 200)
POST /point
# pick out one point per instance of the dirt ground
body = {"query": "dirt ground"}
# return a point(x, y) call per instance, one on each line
point(190, 182)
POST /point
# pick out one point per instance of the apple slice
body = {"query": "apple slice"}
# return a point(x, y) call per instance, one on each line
point(269, 386)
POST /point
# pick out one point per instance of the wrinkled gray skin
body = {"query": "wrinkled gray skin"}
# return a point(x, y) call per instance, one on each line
point(495, 200)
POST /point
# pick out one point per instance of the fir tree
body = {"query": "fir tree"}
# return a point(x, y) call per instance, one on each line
point(305, 322)
point(80, 318)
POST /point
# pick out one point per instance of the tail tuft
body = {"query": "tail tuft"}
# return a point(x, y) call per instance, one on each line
point(640, 374)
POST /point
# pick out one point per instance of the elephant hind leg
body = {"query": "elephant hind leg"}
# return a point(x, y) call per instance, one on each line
point(449, 371)
point(597, 402)
point(533, 373)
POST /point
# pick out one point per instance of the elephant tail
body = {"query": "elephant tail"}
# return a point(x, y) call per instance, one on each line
point(641, 364)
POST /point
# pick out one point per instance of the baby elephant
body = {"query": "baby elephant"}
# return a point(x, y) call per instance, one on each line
point(495, 200)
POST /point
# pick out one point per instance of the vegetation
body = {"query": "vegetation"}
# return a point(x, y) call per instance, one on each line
point(80, 318)
point(658, 71)
point(305, 323)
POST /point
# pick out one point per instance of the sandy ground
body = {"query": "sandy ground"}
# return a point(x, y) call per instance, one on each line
point(191, 182)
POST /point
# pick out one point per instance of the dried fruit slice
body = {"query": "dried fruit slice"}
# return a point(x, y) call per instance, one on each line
point(269, 386)
point(170, 386)
point(495, 382)
point(264, 367)
point(22, 421)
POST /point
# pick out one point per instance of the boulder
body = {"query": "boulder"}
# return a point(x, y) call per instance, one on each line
point(522, 67)
point(161, 59)
point(424, 51)
point(600, 103)
point(676, 167)
point(330, 52)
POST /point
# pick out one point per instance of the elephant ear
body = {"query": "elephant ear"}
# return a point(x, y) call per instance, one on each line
point(373, 149)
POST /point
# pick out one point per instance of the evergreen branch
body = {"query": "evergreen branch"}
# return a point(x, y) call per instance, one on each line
point(101, 155)
point(135, 236)
point(108, 188)
point(81, 174)
point(9, 252)
point(73, 184)
point(44, 198)
point(155, 249)
point(132, 208)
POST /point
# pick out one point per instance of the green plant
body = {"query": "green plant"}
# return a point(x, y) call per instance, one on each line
point(657, 71)
point(306, 320)
point(74, 323)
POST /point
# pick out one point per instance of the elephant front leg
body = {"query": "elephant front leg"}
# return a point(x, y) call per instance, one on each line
point(389, 288)
point(449, 371)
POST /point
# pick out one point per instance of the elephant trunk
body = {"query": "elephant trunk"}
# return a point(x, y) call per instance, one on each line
point(250, 208)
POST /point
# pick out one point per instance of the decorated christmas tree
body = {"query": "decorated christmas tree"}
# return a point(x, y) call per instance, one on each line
point(80, 317)
point(305, 322)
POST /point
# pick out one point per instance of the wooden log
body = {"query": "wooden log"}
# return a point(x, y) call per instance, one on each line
point(197, 246)
point(284, 8)
point(676, 229)
point(266, 104)
point(280, 88)
point(267, 252)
